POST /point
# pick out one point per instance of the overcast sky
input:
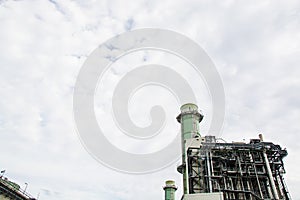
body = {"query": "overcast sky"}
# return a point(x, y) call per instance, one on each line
point(43, 44)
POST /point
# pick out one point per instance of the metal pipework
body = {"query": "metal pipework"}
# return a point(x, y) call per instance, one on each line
point(274, 189)
point(189, 118)
point(170, 189)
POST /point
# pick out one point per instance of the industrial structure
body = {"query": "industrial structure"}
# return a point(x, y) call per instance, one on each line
point(12, 191)
point(170, 190)
point(214, 169)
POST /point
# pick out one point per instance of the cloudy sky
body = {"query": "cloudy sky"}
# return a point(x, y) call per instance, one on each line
point(43, 44)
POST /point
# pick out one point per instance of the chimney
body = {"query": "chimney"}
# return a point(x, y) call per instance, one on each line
point(170, 189)
point(189, 118)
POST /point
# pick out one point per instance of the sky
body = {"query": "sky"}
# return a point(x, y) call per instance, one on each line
point(254, 45)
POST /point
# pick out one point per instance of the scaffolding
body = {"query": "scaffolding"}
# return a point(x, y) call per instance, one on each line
point(240, 170)
point(213, 169)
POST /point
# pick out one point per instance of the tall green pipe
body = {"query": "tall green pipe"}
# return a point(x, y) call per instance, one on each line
point(189, 118)
point(170, 189)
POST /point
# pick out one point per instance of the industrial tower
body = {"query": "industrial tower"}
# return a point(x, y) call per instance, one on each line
point(217, 170)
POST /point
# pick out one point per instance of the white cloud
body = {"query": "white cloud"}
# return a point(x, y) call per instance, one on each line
point(255, 47)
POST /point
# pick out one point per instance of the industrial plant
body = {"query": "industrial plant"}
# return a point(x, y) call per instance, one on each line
point(213, 169)
point(10, 190)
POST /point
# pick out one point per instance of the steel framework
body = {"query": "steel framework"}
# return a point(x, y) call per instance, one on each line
point(251, 170)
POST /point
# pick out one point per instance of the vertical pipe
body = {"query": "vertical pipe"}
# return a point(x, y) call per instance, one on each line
point(285, 191)
point(232, 187)
point(270, 175)
point(186, 171)
point(208, 172)
point(269, 189)
point(279, 191)
point(211, 164)
point(240, 165)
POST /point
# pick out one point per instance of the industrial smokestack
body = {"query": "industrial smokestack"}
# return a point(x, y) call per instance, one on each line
point(189, 118)
point(170, 189)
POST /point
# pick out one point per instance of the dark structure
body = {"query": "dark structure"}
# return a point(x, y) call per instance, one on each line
point(216, 170)
point(10, 190)
point(239, 170)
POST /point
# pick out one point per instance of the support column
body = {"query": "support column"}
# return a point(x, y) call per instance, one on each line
point(274, 190)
